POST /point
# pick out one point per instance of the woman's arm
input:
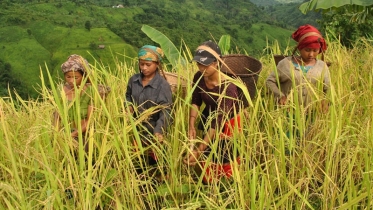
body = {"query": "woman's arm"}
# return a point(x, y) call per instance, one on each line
point(83, 123)
point(326, 80)
point(128, 95)
point(278, 76)
point(192, 120)
point(193, 157)
point(326, 85)
point(196, 104)
point(165, 100)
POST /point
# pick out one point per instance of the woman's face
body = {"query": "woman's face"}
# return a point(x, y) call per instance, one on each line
point(72, 77)
point(309, 54)
point(148, 68)
point(208, 70)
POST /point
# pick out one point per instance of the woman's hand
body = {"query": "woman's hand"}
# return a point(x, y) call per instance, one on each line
point(74, 134)
point(324, 106)
point(282, 100)
point(159, 137)
point(192, 158)
point(192, 133)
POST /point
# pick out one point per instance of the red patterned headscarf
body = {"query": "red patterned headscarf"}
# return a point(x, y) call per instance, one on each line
point(309, 36)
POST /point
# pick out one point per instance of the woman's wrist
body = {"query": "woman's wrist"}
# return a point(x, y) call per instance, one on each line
point(202, 146)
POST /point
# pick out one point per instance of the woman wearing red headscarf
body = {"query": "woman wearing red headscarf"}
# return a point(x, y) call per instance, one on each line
point(303, 77)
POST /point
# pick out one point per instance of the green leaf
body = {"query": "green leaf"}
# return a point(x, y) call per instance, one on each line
point(169, 49)
point(225, 44)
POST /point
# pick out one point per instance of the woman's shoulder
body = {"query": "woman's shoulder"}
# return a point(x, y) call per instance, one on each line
point(160, 82)
point(231, 86)
point(197, 76)
point(198, 80)
point(320, 64)
point(88, 89)
point(286, 61)
point(165, 84)
point(135, 76)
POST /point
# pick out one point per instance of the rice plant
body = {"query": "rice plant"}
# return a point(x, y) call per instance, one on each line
point(328, 166)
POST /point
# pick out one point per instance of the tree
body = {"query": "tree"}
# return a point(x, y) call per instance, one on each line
point(348, 20)
point(92, 45)
point(88, 25)
point(345, 30)
point(360, 9)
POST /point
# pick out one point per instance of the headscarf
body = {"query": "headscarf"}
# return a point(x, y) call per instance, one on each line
point(75, 63)
point(150, 53)
point(309, 36)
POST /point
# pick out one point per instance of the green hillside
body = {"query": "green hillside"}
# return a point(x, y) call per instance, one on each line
point(36, 33)
point(51, 45)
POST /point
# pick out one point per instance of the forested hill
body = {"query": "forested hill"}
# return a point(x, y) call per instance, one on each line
point(274, 2)
point(36, 34)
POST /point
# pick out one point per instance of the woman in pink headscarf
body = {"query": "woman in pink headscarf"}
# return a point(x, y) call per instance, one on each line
point(302, 76)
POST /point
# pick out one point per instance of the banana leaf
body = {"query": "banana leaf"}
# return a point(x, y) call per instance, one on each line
point(328, 4)
point(169, 49)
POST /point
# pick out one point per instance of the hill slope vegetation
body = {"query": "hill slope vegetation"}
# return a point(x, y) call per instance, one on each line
point(41, 34)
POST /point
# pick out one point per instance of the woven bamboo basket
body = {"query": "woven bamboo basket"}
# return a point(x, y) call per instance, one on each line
point(246, 68)
point(178, 83)
point(278, 58)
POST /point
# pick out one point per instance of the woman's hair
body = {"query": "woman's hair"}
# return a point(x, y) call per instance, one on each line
point(80, 71)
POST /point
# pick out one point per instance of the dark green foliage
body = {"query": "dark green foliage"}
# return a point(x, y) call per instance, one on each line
point(11, 81)
point(92, 45)
point(289, 16)
point(339, 23)
point(87, 25)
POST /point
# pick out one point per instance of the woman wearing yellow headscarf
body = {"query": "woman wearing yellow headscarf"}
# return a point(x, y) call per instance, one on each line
point(146, 90)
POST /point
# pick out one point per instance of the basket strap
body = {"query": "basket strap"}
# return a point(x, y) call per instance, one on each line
point(208, 49)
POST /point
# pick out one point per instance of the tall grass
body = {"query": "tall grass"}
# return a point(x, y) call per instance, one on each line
point(327, 167)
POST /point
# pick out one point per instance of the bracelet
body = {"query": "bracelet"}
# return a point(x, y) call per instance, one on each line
point(193, 116)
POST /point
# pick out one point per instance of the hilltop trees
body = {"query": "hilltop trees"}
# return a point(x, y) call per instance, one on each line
point(88, 25)
point(7, 79)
